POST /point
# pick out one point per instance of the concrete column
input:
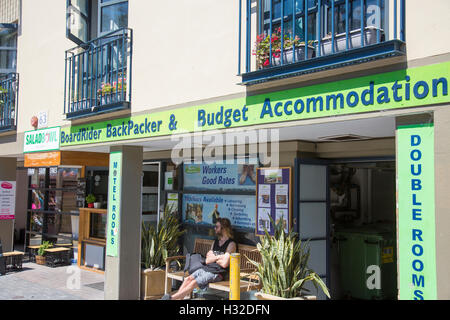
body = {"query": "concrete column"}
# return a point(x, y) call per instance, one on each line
point(7, 173)
point(442, 208)
point(122, 273)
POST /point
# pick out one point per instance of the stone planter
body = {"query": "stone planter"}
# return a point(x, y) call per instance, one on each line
point(266, 296)
point(152, 284)
point(288, 57)
point(354, 40)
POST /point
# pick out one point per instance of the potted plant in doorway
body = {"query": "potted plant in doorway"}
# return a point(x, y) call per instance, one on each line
point(283, 270)
point(40, 257)
point(158, 243)
point(90, 199)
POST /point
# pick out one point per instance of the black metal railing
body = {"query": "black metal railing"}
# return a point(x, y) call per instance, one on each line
point(9, 87)
point(98, 75)
point(310, 33)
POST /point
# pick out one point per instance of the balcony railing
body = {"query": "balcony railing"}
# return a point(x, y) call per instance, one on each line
point(284, 38)
point(9, 85)
point(98, 75)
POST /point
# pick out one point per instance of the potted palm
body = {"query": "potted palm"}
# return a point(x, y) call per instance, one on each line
point(158, 244)
point(40, 258)
point(283, 270)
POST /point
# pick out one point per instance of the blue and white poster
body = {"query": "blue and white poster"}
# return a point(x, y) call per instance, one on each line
point(205, 209)
point(220, 177)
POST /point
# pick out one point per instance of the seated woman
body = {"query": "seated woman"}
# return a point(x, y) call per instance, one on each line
point(217, 262)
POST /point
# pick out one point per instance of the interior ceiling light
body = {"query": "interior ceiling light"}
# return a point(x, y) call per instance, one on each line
point(343, 138)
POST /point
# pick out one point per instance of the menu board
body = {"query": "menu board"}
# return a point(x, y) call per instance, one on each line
point(7, 200)
point(273, 199)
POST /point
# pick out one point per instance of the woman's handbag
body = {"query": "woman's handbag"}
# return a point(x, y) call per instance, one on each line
point(194, 261)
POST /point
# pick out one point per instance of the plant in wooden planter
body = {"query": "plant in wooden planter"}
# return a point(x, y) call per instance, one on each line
point(40, 258)
point(283, 270)
point(158, 244)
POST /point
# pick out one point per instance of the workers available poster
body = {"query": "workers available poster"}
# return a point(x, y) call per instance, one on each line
point(205, 209)
point(220, 177)
point(416, 212)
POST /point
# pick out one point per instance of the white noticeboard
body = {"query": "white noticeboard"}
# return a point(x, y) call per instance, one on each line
point(7, 200)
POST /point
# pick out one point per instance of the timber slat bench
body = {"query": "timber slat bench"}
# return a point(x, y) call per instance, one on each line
point(56, 257)
point(13, 260)
point(248, 282)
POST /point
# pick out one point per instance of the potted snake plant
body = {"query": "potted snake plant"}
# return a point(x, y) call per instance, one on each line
point(283, 270)
point(158, 243)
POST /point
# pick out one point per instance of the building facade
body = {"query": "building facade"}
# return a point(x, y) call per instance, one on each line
point(345, 93)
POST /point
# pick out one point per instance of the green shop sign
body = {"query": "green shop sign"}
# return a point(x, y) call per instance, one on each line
point(41, 140)
point(114, 205)
point(394, 90)
point(416, 213)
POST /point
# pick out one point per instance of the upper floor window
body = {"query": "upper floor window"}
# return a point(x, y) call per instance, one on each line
point(294, 25)
point(89, 19)
point(113, 15)
point(8, 49)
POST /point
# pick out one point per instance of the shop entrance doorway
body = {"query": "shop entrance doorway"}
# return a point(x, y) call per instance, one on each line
point(346, 209)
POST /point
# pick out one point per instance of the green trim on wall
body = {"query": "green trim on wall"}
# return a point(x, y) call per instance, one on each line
point(421, 86)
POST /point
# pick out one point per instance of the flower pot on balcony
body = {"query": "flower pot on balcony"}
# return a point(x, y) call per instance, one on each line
point(354, 40)
point(288, 56)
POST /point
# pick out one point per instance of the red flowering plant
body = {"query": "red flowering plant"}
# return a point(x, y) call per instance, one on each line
point(263, 45)
point(116, 86)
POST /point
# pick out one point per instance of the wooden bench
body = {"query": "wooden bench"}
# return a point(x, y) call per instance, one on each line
point(248, 282)
point(56, 257)
point(12, 261)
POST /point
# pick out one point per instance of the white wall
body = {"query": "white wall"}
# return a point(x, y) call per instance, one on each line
point(427, 28)
point(184, 51)
point(40, 61)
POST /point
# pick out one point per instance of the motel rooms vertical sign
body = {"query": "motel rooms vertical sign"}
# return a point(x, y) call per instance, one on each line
point(416, 212)
point(114, 208)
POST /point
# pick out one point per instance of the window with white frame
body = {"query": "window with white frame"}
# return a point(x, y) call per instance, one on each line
point(89, 19)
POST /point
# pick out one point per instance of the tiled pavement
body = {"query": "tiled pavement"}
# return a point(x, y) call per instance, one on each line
point(37, 282)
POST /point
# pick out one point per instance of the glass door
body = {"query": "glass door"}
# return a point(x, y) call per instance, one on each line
point(312, 210)
point(151, 185)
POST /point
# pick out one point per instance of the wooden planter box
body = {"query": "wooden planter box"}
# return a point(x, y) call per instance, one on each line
point(152, 284)
point(40, 260)
point(266, 296)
